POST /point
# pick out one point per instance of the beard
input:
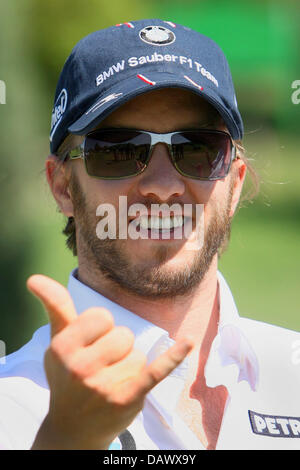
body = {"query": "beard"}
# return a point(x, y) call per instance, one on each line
point(152, 281)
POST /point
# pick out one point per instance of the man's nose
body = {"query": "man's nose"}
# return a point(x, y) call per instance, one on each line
point(161, 179)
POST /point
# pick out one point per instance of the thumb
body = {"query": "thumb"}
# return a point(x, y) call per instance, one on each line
point(56, 300)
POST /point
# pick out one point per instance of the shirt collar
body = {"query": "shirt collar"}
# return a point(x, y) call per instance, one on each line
point(149, 338)
point(146, 334)
point(231, 357)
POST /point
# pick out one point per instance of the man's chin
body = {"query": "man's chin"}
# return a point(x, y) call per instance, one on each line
point(160, 253)
point(156, 275)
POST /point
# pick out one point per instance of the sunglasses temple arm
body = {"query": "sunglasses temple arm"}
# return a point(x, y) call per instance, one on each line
point(76, 153)
point(234, 155)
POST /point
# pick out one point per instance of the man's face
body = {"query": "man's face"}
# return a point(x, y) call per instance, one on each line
point(153, 268)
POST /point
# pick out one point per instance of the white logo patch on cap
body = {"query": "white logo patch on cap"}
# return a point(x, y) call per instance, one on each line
point(58, 110)
point(157, 35)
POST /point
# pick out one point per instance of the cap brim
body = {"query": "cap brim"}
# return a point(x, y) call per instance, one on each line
point(133, 86)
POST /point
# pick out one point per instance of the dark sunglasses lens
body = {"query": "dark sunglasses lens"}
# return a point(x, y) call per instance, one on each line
point(116, 154)
point(204, 155)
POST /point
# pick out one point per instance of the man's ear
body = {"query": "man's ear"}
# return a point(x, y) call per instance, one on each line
point(58, 178)
point(239, 169)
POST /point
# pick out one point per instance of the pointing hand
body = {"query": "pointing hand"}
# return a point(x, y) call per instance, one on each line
point(98, 381)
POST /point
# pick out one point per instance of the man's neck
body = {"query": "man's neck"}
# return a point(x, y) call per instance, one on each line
point(195, 315)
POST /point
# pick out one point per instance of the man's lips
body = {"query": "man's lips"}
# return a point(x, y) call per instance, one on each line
point(162, 228)
point(164, 212)
point(159, 213)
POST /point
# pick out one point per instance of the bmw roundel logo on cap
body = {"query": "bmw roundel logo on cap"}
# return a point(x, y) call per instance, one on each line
point(157, 35)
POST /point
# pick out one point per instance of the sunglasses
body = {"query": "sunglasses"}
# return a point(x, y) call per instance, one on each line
point(121, 153)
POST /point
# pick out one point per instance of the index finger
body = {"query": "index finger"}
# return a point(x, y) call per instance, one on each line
point(161, 367)
point(56, 300)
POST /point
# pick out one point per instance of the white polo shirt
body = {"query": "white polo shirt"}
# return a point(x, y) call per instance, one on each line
point(258, 363)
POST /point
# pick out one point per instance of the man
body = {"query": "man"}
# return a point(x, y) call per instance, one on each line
point(145, 112)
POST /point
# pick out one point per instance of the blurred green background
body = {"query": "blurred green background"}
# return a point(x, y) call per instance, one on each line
point(261, 41)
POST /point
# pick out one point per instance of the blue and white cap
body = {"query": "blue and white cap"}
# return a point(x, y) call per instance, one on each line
point(109, 67)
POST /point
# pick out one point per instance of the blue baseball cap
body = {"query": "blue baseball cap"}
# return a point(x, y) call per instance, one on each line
point(111, 66)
